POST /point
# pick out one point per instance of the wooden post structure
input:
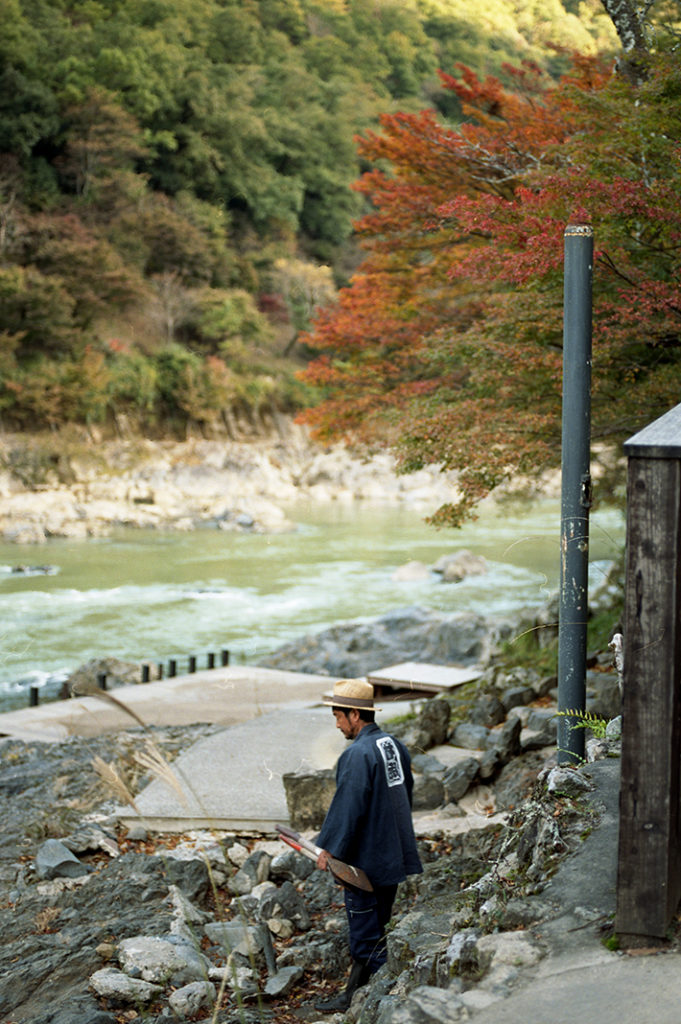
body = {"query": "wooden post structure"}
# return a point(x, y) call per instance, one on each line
point(649, 860)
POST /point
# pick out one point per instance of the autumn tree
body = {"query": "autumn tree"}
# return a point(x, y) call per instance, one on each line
point(448, 343)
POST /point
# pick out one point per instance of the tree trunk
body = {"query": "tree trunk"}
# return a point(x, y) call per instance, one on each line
point(627, 17)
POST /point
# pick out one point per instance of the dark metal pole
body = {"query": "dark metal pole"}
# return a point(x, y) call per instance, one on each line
point(576, 487)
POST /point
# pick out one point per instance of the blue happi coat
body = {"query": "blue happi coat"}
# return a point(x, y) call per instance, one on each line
point(369, 821)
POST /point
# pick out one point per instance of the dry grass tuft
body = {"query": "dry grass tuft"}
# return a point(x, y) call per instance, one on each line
point(153, 760)
point(113, 781)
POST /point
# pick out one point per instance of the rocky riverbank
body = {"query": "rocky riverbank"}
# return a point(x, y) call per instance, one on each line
point(80, 491)
point(106, 926)
point(85, 488)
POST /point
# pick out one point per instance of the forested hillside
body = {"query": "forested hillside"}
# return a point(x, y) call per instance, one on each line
point(175, 181)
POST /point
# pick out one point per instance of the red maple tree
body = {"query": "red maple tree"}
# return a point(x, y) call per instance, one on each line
point(447, 343)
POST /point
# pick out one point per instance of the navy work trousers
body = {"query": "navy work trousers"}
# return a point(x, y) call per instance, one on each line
point(368, 914)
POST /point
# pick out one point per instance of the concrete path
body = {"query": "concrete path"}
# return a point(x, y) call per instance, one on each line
point(232, 781)
point(580, 980)
point(621, 990)
point(274, 723)
point(225, 696)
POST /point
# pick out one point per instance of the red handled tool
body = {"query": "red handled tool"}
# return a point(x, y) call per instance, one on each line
point(342, 872)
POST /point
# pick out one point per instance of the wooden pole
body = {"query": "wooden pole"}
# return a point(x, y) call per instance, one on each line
point(649, 859)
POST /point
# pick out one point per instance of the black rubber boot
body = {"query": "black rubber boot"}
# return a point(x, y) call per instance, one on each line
point(359, 975)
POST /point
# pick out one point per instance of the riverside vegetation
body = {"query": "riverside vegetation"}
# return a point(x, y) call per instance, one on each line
point(115, 926)
point(175, 187)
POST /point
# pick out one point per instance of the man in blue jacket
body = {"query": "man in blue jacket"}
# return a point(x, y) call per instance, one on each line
point(368, 825)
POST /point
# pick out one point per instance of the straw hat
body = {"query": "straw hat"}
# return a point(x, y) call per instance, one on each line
point(351, 693)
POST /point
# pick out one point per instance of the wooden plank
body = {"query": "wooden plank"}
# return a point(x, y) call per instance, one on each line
point(649, 880)
point(424, 676)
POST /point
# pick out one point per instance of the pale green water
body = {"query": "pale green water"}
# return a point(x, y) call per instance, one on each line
point(152, 596)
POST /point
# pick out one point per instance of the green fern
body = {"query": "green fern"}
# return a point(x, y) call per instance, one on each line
point(585, 720)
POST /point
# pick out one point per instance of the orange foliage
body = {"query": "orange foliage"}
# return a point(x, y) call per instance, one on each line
point(447, 344)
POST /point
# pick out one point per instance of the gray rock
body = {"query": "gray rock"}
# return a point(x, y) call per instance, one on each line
point(137, 833)
point(542, 726)
point(83, 1008)
point(255, 870)
point(613, 730)
point(458, 779)
point(456, 567)
point(428, 1005)
point(461, 955)
point(603, 694)
point(291, 866)
point(184, 909)
point(506, 740)
point(487, 710)
point(517, 949)
point(429, 792)
point(91, 837)
point(238, 936)
point(308, 797)
point(490, 762)
point(420, 935)
point(191, 876)
point(285, 902)
point(111, 983)
point(282, 982)
point(188, 1000)
point(239, 977)
point(433, 719)
point(427, 764)
point(470, 736)
point(542, 718)
point(568, 782)
point(161, 960)
point(517, 695)
point(55, 860)
point(410, 634)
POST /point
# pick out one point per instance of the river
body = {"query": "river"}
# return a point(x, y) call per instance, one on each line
point(151, 596)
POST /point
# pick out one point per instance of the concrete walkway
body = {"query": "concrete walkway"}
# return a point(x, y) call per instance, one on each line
point(622, 990)
point(232, 781)
point(225, 696)
point(579, 979)
point(274, 723)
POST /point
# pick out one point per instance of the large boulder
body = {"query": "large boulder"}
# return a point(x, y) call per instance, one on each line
point(456, 567)
point(308, 797)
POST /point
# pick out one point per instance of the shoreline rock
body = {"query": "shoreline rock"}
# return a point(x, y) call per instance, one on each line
point(225, 485)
